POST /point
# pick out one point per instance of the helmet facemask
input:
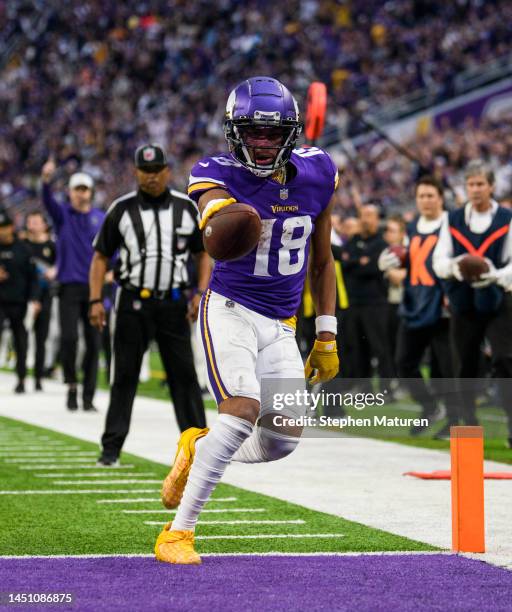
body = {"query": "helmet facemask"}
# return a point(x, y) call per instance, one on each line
point(263, 147)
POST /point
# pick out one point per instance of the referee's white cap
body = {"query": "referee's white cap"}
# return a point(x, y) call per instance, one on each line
point(80, 179)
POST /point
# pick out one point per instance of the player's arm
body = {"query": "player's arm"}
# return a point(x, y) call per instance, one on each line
point(322, 279)
point(445, 265)
point(97, 273)
point(212, 201)
point(50, 203)
point(105, 245)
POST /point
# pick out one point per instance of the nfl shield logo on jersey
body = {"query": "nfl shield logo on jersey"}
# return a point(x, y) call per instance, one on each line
point(283, 193)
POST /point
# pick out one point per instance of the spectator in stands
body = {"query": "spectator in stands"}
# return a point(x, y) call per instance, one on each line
point(76, 223)
point(146, 70)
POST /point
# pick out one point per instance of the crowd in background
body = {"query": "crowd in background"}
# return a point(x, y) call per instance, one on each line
point(378, 173)
point(87, 82)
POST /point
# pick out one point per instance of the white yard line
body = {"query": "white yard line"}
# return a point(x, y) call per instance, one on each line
point(66, 466)
point(137, 500)
point(210, 510)
point(270, 536)
point(385, 553)
point(92, 475)
point(76, 491)
point(25, 447)
point(128, 501)
point(67, 459)
point(292, 522)
point(48, 455)
point(116, 481)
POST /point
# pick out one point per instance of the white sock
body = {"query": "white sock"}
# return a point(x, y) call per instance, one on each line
point(265, 445)
point(213, 455)
point(251, 450)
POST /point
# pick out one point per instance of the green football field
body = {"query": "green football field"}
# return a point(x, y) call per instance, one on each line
point(54, 501)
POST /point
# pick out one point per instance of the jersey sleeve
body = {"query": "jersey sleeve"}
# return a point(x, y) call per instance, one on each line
point(207, 173)
point(109, 238)
point(332, 172)
point(328, 175)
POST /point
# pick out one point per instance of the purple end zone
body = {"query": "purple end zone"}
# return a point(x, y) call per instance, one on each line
point(373, 582)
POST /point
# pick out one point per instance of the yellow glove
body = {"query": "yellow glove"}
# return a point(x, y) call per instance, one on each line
point(212, 207)
point(324, 359)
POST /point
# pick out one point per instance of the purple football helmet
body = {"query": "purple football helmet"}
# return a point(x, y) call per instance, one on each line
point(262, 105)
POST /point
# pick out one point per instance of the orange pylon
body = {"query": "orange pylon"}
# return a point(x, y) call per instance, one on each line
point(467, 475)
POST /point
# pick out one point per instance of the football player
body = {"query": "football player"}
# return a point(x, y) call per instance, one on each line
point(247, 315)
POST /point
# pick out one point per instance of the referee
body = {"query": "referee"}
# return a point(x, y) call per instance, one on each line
point(155, 230)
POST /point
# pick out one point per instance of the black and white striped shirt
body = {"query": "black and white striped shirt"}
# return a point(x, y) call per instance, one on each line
point(151, 249)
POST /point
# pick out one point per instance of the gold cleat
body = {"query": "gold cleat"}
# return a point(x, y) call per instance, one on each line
point(176, 547)
point(174, 484)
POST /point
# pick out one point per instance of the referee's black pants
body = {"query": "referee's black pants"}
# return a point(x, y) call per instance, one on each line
point(73, 308)
point(468, 332)
point(15, 313)
point(411, 346)
point(136, 323)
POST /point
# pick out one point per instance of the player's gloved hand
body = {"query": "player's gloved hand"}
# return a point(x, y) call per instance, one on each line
point(211, 208)
point(487, 278)
point(455, 268)
point(504, 278)
point(324, 359)
point(388, 260)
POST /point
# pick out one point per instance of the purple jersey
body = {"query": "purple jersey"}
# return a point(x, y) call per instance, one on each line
point(270, 279)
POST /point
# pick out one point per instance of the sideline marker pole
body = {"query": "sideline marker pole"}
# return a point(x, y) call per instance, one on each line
point(467, 482)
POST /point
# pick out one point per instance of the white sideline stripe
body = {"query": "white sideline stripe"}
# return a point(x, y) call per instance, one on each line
point(371, 553)
point(32, 460)
point(267, 536)
point(118, 481)
point(217, 510)
point(294, 522)
point(71, 466)
point(92, 475)
point(78, 492)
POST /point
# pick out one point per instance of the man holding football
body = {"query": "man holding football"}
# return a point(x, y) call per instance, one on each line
point(474, 257)
point(247, 315)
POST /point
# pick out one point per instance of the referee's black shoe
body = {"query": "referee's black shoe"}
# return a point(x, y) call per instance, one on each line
point(104, 461)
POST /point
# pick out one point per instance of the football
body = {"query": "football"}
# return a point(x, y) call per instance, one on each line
point(472, 266)
point(232, 232)
point(401, 252)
